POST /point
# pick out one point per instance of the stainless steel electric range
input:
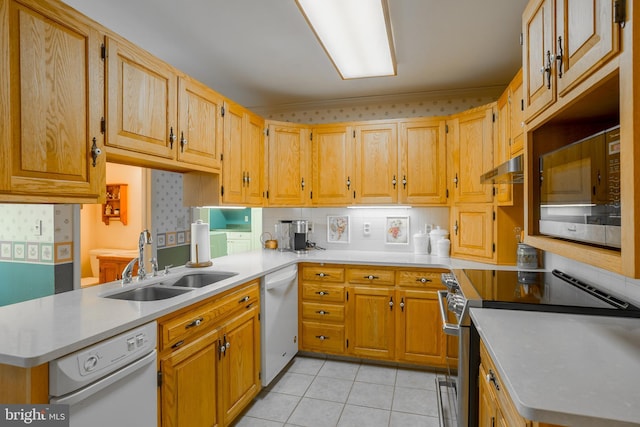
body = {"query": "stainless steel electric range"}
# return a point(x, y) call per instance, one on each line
point(553, 291)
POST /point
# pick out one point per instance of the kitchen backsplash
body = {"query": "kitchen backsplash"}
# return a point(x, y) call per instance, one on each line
point(389, 229)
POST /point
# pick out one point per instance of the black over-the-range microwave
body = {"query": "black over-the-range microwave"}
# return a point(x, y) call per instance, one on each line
point(580, 190)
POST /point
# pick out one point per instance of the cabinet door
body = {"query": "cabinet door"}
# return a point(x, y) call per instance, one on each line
point(472, 230)
point(51, 102)
point(288, 165)
point(487, 401)
point(109, 271)
point(538, 56)
point(240, 363)
point(200, 124)
point(516, 113)
point(188, 392)
point(502, 142)
point(253, 158)
point(141, 101)
point(423, 171)
point(332, 165)
point(419, 329)
point(371, 322)
point(376, 164)
point(472, 154)
point(586, 37)
point(233, 172)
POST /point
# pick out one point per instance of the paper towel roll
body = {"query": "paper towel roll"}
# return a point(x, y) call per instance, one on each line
point(200, 246)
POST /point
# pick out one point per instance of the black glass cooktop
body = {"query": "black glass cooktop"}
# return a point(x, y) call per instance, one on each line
point(545, 291)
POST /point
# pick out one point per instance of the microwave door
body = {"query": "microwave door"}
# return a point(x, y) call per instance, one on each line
point(574, 175)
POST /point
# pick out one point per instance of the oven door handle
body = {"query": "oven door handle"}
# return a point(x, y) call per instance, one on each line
point(448, 328)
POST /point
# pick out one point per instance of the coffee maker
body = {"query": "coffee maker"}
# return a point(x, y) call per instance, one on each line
point(298, 233)
point(292, 235)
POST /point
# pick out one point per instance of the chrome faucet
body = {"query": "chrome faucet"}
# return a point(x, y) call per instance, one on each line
point(127, 273)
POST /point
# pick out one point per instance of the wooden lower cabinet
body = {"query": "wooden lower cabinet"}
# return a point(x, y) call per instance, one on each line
point(189, 384)
point(419, 330)
point(383, 313)
point(209, 359)
point(371, 324)
point(239, 363)
point(111, 268)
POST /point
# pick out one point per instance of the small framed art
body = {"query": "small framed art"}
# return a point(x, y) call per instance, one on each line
point(337, 228)
point(397, 230)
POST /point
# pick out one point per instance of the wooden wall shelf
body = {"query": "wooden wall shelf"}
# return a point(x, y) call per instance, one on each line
point(115, 207)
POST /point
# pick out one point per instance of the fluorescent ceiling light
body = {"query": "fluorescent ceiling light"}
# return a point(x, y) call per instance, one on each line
point(356, 34)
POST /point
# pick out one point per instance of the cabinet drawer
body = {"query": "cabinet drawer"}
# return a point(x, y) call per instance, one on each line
point(323, 273)
point(186, 325)
point(420, 278)
point(238, 235)
point(237, 300)
point(323, 337)
point(371, 276)
point(507, 408)
point(194, 320)
point(322, 292)
point(323, 312)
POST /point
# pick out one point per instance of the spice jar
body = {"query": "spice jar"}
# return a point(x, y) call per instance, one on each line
point(527, 256)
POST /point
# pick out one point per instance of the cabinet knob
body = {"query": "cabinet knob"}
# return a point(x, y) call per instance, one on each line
point(322, 312)
point(95, 151)
point(321, 337)
point(172, 137)
point(371, 277)
point(183, 141)
point(196, 322)
point(322, 293)
point(243, 300)
point(423, 280)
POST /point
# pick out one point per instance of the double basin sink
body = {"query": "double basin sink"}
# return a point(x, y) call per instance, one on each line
point(164, 290)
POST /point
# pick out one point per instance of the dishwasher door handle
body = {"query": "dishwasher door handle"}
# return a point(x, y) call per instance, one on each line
point(101, 384)
point(448, 328)
point(279, 281)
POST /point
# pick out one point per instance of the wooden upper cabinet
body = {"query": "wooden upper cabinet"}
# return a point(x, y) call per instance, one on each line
point(472, 231)
point(51, 104)
point(538, 56)
point(565, 41)
point(289, 174)
point(423, 160)
point(516, 115)
point(332, 165)
point(141, 101)
point(200, 127)
point(472, 134)
point(376, 163)
point(586, 37)
point(243, 152)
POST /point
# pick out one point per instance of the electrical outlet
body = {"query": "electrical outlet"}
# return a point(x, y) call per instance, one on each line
point(310, 227)
point(366, 228)
point(246, 218)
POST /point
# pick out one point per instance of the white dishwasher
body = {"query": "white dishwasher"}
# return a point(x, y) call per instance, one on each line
point(279, 321)
point(112, 383)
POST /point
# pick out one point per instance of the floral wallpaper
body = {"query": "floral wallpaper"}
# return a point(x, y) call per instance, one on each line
point(171, 221)
point(36, 233)
point(396, 107)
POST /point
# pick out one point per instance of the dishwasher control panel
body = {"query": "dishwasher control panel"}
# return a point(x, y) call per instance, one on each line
point(86, 365)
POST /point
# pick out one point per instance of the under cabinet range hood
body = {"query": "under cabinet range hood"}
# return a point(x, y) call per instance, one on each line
point(509, 172)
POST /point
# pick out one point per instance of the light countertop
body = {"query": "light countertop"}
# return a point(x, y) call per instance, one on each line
point(40, 330)
point(566, 369)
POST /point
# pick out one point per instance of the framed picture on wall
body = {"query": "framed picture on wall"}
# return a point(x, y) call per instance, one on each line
point(337, 228)
point(397, 230)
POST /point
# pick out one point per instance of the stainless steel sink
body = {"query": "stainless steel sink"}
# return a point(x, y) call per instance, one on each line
point(148, 293)
point(198, 280)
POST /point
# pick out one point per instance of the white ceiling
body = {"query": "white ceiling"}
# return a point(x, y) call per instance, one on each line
point(262, 54)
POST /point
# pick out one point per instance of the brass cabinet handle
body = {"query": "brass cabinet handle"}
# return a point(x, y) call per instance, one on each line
point(95, 151)
point(172, 137)
point(183, 141)
point(559, 57)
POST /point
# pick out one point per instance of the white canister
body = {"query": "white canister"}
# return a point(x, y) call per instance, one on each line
point(420, 243)
point(442, 247)
point(435, 235)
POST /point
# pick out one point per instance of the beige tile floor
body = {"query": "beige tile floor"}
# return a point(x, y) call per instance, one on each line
point(315, 392)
